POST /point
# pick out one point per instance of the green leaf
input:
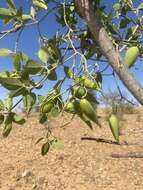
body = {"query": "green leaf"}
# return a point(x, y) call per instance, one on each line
point(18, 92)
point(11, 5)
point(41, 98)
point(43, 118)
point(33, 67)
point(131, 32)
point(17, 62)
point(124, 22)
point(7, 129)
point(8, 102)
point(45, 148)
point(1, 118)
point(22, 56)
point(18, 119)
point(68, 72)
point(11, 83)
point(112, 28)
point(54, 54)
point(29, 100)
point(7, 125)
point(7, 20)
point(41, 4)
point(116, 6)
point(1, 105)
point(33, 12)
point(140, 6)
point(6, 13)
point(5, 52)
point(52, 75)
point(43, 54)
point(4, 74)
point(19, 14)
point(26, 17)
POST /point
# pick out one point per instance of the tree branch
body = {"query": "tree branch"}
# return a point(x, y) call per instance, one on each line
point(101, 36)
point(127, 155)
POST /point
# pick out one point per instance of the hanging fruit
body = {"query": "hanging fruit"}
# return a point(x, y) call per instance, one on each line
point(131, 56)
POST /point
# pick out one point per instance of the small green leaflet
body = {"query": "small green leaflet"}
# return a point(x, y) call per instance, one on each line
point(5, 52)
point(32, 12)
point(43, 54)
point(6, 13)
point(140, 6)
point(18, 119)
point(11, 5)
point(29, 100)
point(45, 148)
point(33, 67)
point(8, 103)
point(7, 125)
point(10, 83)
point(41, 4)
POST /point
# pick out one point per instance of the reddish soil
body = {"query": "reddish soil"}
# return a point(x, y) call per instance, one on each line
point(79, 165)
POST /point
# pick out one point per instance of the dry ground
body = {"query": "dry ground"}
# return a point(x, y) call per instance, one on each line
point(80, 165)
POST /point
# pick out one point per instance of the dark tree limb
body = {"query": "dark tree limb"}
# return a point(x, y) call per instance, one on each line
point(108, 49)
point(101, 140)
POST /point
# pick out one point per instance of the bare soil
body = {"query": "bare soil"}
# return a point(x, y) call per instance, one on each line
point(80, 165)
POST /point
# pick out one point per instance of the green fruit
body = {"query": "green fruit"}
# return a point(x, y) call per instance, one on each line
point(88, 110)
point(79, 92)
point(114, 126)
point(88, 83)
point(45, 148)
point(131, 56)
point(45, 108)
point(72, 107)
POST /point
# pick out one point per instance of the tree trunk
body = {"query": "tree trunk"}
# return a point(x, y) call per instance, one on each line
point(108, 49)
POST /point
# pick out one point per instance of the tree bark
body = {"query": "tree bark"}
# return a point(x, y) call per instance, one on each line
point(108, 49)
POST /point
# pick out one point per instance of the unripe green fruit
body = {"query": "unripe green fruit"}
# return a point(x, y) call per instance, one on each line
point(88, 83)
point(45, 108)
point(88, 110)
point(72, 107)
point(131, 56)
point(79, 92)
point(114, 126)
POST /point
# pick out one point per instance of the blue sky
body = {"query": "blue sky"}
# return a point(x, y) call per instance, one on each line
point(29, 44)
